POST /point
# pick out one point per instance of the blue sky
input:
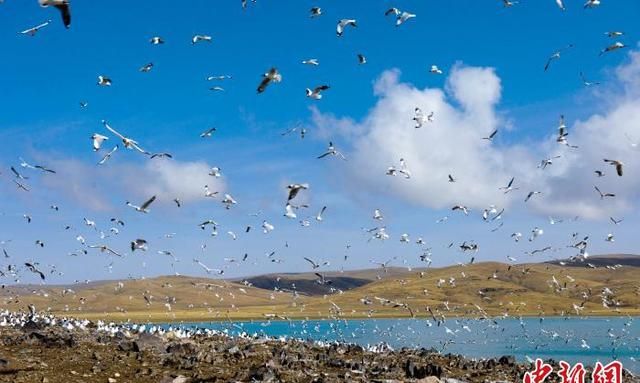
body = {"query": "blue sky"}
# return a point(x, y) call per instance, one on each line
point(46, 76)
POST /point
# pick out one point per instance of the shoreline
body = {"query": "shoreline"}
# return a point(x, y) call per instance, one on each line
point(44, 348)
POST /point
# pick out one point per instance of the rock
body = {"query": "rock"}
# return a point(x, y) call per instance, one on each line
point(180, 379)
point(508, 360)
point(111, 380)
point(429, 379)
point(415, 371)
point(148, 342)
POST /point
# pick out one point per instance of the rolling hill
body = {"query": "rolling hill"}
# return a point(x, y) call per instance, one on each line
point(482, 289)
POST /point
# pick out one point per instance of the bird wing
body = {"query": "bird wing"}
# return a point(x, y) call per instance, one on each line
point(65, 12)
point(263, 84)
point(311, 262)
point(147, 203)
point(109, 128)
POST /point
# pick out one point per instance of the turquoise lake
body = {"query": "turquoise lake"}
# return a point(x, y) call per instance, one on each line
point(585, 340)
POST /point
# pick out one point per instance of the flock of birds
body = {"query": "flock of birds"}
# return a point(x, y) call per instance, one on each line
point(293, 209)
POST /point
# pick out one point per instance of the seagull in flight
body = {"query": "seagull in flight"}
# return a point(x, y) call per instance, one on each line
point(342, 24)
point(420, 118)
point(332, 151)
point(491, 136)
point(401, 16)
point(587, 83)
point(104, 81)
point(207, 133)
point(613, 47)
point(31, 267)
point(616, 221)
point(144, 208)
point(462, 208)
point(560, 4)
point(315, 12)
point(294, 189)
point(60, 5)
point(207, 269)
point(509, 186)
point(555, 56)
point(312, 62)
point(104, 248)
point(617, 164)
point(97, 140)
point(33, 30)
point(201, 38)
point(108, 155)
point(361, 59)
point(128, 142)
point(271, 76)
point(314, 265)
point(591, 4)
point(319, 216)
point(316, 93)
point(603, 195)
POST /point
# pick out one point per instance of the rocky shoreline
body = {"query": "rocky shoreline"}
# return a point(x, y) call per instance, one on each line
point(46, 349)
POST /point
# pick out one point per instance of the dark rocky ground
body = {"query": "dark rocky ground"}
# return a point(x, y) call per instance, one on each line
point(36, 353)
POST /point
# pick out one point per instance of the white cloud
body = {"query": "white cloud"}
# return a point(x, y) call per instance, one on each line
point(465, 111)
point(94, 187)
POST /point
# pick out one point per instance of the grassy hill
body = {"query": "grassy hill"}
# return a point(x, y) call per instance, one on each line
point(488, 288)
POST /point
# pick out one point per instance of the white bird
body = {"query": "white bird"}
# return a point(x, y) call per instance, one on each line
point(215, 172)
point(139, 244)
point(508, 3)
point(591, 4)
point(267, 227)
point(156, 40)
point(618, 165)
point(98, 139)
point(207, 269)
point(435, 70)
point(294, 189)
point(610, 238)
point(290, 212)
point(209, 193)
point(555, 56)
point(316, 93)
point(560, 4)
point(535, 233)
point(201, 38)
point(33, 30)
point(509, 186)
point(462, 208)
point(404, 238)
point(146, 68)
point(332, 151)
point(228, 201)
point(104, 81)
point(516, 236)
point(420, 119)
point(320, 213)
point(207, 133)
point(220, 77)
point(128, 142)
point(587, 83)
point(361, 59)
point(613, 34)
point(108, 155)
point(144, 208)
point(271, 76)
point(613, 47)
point(312, 62)
point(401, 16)
point(377, 214)
point(342, 24)
point(60, 5)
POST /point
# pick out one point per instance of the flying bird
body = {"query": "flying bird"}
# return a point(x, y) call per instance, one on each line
point(294, 189)
point(316, 93)
point(555, 56)
point(271, 76)
point(613, 47)
point(33, 30)
point(401, 16)
point(617, 164)
point(201, 38)
point(128, 142)
point(144, 208)
point(60, 5)
point(104, 81)
point(332, 151)
point(97, 140)
point(342, 24)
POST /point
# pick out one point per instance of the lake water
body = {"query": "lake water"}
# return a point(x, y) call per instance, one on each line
point(585, 340)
